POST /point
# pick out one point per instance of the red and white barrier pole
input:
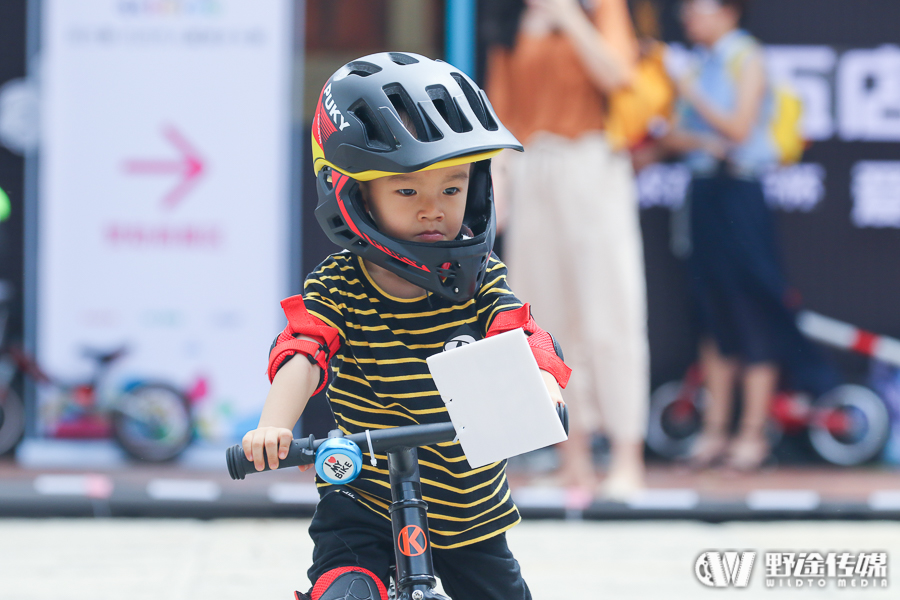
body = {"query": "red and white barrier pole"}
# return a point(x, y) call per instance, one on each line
point(849, 337)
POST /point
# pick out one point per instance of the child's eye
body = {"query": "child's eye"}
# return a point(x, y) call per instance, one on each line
point(451, 191)
point(406, 192)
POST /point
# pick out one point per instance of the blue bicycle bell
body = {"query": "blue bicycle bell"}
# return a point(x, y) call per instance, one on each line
point(338, 460)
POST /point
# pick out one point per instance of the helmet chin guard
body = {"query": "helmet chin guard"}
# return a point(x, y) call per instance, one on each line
point(392, 113)
point(453, 269)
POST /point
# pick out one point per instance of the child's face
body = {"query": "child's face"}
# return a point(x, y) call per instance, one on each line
point(427, 206)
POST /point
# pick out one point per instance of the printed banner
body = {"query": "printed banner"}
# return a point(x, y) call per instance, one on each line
point(164, 196)
point(847, 96)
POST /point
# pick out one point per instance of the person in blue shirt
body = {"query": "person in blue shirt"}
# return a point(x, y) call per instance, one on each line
point(749, 332)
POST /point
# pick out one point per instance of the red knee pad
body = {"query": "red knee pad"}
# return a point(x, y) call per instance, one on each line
point(341, 584)
point(300, 322)
point(546, 351)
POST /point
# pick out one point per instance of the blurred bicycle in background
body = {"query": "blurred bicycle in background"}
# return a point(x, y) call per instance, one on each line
point(152, 421)
point(848, 425)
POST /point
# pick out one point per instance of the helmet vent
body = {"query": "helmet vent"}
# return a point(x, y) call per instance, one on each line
point(339, 229)
point(447, 273)
point(463, 121)
point(434, 133)
point(476, 103)
point(448, 109)
point(491, 123)
point(402, 59)
point(362, 68)
point(407, 112)
point(376, 138)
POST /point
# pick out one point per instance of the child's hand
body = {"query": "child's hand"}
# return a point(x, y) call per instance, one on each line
point(275, 441)
point(553, 388)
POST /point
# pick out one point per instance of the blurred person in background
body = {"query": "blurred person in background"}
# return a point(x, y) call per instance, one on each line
point(748, 330)
point(573, 230)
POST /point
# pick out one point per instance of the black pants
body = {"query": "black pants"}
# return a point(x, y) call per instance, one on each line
point(739, 287)
point(348, 534)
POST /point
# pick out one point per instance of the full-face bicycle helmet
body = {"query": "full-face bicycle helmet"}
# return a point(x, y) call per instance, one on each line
point(358, 135)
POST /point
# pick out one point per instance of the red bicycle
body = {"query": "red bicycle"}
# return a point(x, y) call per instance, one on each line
point(151, 420)
point(847, 426)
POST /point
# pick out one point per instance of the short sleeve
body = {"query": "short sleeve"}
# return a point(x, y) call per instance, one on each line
point(320, 293)
point(494, 296)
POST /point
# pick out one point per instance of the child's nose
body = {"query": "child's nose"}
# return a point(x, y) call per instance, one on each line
point(431, 209)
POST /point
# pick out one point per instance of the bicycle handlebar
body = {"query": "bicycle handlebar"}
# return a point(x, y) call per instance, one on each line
point(303, 451)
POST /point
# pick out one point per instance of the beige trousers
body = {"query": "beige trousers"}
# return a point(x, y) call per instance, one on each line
point(574, 252)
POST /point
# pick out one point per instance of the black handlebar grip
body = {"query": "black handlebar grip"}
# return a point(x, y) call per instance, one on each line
point(563, 411)
point(300, 452)
point(303, 451)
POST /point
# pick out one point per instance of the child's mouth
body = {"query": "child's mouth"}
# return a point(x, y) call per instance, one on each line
point(430, 236)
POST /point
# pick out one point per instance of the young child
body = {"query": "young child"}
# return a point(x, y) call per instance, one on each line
point(401, 150)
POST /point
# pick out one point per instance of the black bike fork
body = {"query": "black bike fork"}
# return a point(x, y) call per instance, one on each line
point(409, 520)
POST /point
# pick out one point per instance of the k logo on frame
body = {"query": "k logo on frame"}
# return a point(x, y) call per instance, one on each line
point(412, 541)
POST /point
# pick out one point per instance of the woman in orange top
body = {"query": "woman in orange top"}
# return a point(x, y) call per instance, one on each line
point(572, 217)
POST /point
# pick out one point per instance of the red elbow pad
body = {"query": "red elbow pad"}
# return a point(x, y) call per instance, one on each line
point(300, 322)
point(541, 342)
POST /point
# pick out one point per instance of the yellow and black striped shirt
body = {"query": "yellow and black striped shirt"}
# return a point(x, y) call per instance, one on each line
point(380, 379)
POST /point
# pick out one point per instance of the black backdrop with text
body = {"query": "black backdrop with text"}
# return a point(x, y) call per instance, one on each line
point(841, 251)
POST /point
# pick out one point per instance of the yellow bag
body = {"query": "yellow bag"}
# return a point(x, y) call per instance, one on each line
point(650, 97)
point(785, 125)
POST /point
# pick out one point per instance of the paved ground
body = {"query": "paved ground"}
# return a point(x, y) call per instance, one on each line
point(205, 491)
point(106, 559)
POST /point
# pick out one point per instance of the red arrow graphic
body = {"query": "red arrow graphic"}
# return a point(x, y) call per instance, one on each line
point(190, 167)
